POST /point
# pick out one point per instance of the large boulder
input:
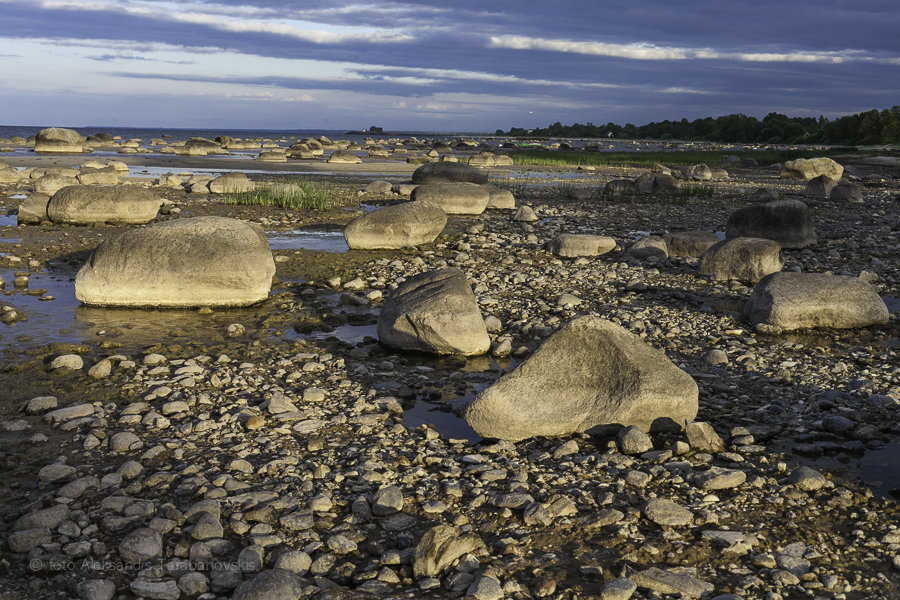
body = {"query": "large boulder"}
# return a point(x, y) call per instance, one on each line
point(651, 246)
point(490, 159)
point(500, 199)
point(819, 187)
point(50, 184)
point(620, 187)
point(102, 176)
point(58, 140)
point(807, 168)
point(847, 192)
point(33, 210)
point(689, 243)
point(199, 146)
point(571, 245)
point(454, 198)
point(344, 157)
point(789, 301)
point(656, 183)
point(230, 183)
point(448, 172)
point(743, 259)
point(699, 172)
point(589, 376)
point(86, 204)
point(786, 221)
point(201, 261)
point(434, 312)
point(398, 226)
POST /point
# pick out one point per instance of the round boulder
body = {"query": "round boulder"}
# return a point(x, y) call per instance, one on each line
point(807, 168)
point(58, 140)
point(201, 261)
point(448, 172)
point(819, 187)
point(50, 184)
point(789, 301)
point(571, 245)
point(86, 204)
point(743, 259)
point(33, 210)
point(500, 199)
point(590, 376)
point(398, 226)
point(434, 312)
point(230, 183)
point(786, 221)
point(454, 198)
point(689, 243)
point(847, 192)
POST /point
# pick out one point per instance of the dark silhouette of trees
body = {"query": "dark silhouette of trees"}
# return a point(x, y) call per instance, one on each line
point(869, 127)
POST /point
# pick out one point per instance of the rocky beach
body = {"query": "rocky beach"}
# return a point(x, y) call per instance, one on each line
point(347, 438)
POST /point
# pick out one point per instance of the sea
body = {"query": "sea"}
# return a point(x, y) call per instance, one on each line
point(170, 135)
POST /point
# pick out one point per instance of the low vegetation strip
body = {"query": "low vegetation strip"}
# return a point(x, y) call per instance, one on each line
point(556, 158)
point(297, 193)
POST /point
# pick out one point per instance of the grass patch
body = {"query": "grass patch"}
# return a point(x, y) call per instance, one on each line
point(555, 158)
point(296, 193)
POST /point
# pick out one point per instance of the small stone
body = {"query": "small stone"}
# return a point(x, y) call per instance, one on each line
point(26, 539)
point(387, 501)
point(618, 589)
point(125, 441)
point(485, 588)
point(97, 589)
point(632, 440)
point(41, 404)
point(166, 589)
point(703, 438)
point(806, 479)
point(667, 513)
point(72, 362)
point(141, 545)
point(101, 370)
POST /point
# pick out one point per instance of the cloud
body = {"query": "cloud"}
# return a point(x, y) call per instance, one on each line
point(647, 51)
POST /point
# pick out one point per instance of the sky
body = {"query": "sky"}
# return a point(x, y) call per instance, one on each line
point(464, 65)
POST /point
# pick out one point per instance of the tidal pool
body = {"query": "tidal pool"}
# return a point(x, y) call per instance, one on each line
point(307, 239)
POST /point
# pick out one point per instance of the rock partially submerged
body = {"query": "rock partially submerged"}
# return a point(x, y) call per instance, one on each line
point(789, 301)
point(201, 261)
point(787, 222)
point(87, 204)
point(397, 226)
point(434, 312)
point(589, 375)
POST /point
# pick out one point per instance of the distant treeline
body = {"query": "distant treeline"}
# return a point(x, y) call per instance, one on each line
point(870, 127)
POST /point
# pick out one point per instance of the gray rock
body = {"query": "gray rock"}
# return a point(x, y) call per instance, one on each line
point(656, 184)
point(141, 545)
point(667, 513)
point(618, 589)
point(68, 413)
point(619, 187)
point(571, 245)
point(448, 172)
point(33, 210)
point(844, 192)
point(703, 438)
point(230, 183)
point(344, 157)
point(719, 478)
point(58, 140)
point(379, 186)
point(787, 222)
point(589, 374)
point(87, 204)
point(789, 301)
point(97, 589)
point(500, 199)
point(166, 589)
point(454, 198)
point(646, 247)
point(485, 588)
point(295, 561)
point(819, 187)
point(201, 261)
point(764, 195)
point(807, 168)
point(274, 583)
point(525, 214)
point(699, 172)
point(46, 518)
point(490, 159)
point(807, 479)
point(387, 501)
point(689, 243)
point(124, 441)
point(632, 440)
point(440, 546)
point(398, 226)
point(743, 259)
point(667, 582)
point(72, 362)
point(25, 539)
point(434, 312)
point(40, 404)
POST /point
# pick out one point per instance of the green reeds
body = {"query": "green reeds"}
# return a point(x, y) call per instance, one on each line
point(297, 193)
point(556, 158)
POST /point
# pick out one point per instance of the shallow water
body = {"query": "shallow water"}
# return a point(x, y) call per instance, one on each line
point(9, 220)
point(443, 418)
point(878, 469)
point(307, 239)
